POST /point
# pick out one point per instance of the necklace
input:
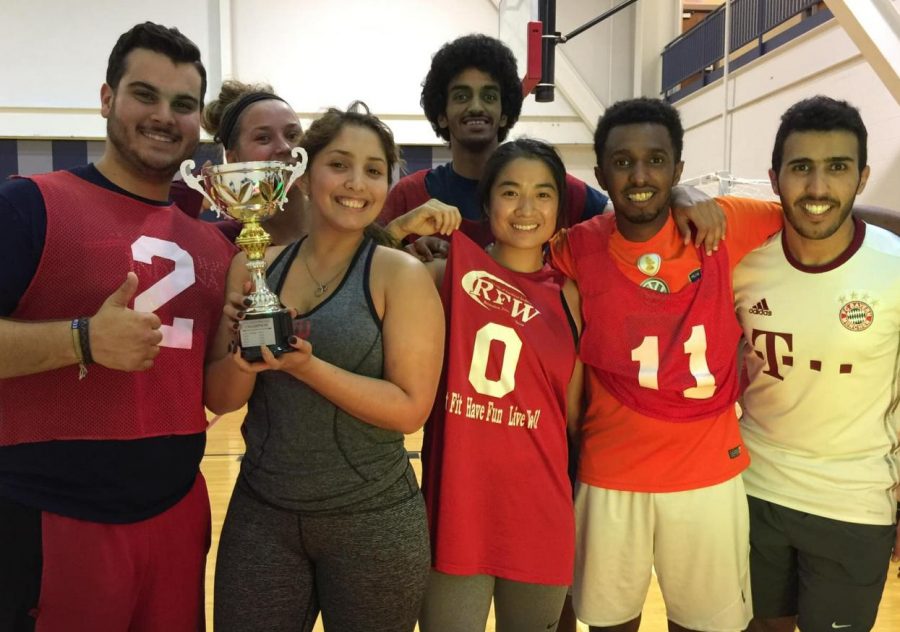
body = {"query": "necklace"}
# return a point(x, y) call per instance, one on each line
point(321, 288)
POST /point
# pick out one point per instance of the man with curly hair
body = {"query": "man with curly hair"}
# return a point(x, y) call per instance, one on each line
point(472, 96)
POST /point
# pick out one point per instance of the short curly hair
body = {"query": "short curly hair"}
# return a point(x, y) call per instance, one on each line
point(487, 54)
point(636, 111)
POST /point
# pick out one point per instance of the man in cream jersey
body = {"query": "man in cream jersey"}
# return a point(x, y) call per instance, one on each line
point(820, 307)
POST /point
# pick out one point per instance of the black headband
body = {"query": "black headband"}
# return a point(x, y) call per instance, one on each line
point(227, 128)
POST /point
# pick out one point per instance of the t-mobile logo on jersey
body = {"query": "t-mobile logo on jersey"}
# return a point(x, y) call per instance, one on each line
point(494, 293)
point(776, 346)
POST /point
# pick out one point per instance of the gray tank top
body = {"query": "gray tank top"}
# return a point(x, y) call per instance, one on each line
point(304, 453)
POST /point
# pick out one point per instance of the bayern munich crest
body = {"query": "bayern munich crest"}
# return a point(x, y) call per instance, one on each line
point(856, 316)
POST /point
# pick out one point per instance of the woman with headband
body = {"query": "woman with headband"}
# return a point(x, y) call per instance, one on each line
point(252, 123)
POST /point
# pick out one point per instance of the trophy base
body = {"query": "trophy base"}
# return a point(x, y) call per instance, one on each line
point(272, 330)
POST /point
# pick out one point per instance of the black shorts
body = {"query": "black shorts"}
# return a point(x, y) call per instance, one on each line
point(828, 573)
point(20, 565)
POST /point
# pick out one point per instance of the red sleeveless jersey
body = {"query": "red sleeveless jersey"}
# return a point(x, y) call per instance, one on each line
point(94, 237)
point(669, 356)
point(494, 456)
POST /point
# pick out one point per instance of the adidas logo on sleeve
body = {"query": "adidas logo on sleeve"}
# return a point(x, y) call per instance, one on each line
point(761, 309)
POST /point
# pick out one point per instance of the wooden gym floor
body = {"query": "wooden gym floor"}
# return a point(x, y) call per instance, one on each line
point(221, 464)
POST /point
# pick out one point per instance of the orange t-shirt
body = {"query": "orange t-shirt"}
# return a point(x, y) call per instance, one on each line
point(626, 450)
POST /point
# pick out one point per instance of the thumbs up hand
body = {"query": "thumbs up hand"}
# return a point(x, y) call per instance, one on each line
point(122, 338)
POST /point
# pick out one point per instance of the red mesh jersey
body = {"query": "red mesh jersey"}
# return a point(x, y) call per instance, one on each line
point(670, 355)
point(621, 447)
point(94, 237)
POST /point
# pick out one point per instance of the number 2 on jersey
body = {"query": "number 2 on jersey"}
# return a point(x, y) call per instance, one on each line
point(647, 356)
point(180, 334)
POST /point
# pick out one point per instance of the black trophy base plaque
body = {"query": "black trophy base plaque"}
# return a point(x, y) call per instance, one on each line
point(272, 330)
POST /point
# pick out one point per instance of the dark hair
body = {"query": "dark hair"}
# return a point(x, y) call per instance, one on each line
point(636, 111)
point(529, 149)
point(326, 128)
point(160, 39)
point(487, 54)
point(820, 114)
point(226, 110)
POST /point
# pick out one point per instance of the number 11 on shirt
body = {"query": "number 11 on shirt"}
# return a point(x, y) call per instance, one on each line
point(647, 356)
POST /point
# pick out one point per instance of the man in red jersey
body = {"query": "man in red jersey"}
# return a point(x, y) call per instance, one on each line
point(661, 454)
point(109, 295)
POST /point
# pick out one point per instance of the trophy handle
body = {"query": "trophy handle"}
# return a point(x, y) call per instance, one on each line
point(193, 181)
point(297, 168)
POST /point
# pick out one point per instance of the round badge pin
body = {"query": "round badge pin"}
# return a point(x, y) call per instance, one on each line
point(649, 263)
point(655, 284)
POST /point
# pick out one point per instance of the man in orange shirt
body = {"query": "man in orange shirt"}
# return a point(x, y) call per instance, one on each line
point(661, 454)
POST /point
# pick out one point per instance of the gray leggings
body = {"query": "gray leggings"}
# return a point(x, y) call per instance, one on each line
point(461, 603)
point(366, 571)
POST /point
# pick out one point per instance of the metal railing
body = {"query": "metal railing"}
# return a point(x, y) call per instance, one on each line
point(689, 62)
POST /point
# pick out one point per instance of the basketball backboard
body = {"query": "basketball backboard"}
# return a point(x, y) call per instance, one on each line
point(521, 30)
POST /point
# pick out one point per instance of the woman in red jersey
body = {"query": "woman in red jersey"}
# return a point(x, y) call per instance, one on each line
point(495, 454)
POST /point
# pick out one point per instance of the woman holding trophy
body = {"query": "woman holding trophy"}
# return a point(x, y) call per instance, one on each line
point(252, 123)
point(326, 513)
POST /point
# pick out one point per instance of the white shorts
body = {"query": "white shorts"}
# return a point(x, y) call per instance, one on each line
point(698, 540)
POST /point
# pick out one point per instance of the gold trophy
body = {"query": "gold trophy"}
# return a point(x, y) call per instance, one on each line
point(251, 192)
